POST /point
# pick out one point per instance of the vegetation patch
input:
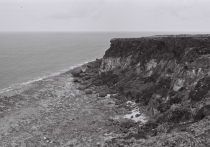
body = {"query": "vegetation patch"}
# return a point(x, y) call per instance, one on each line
point(109, 78)
point(175, 115)
point(201, 89)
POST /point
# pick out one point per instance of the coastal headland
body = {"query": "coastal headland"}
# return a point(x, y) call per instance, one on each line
point(146, 92)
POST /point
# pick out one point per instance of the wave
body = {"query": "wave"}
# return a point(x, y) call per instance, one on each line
point(43, 77)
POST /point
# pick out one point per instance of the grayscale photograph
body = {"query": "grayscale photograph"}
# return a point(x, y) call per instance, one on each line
point(104, 73)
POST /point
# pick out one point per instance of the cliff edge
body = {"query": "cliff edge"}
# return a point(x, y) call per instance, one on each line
point(170, 75)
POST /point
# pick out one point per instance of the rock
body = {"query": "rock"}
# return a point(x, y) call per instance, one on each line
point(76, 72)
point(102, 94)
point(87, 78)
point(137, 115)
point(76, 80)
point(89, 65)
point(203, 112)
point(82, 74)
point(82, 87)
point(124, 130)
point(154, 132)
point(98, 83)
point(88, 91)
point(127, 124)
point(83, 82)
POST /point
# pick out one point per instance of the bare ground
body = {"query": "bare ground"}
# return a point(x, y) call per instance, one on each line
point(53, 113)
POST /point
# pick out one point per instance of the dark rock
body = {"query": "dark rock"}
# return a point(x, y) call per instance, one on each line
point(87, 78)
point(88, 91)
point(89, 65)
point(127, 124)
point(137, 115)
point(124, 130)
point(76, 72)
point(203, 112)
point(154, 132)
point(75, 80)
point(102, 94)
point(177, 99)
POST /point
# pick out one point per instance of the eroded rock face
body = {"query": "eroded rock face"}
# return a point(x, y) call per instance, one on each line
point(174, 68)
point(167, 74)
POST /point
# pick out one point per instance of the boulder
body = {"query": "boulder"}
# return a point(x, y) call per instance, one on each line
point(126, 124)
point(82, 87)
point(82, 74)
point(137, 115)
point(76, 80)
point(87, 77)
point(202, 112)
point(76, 72)
point(102, 94)
point(84, 82)
point(89, 65)
point(88, 91)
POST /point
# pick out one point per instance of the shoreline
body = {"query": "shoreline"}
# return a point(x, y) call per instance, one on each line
point(45, 108)
point(127, 98)
point(18, 85)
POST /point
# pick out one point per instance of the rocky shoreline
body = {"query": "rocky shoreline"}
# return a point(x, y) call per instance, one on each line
point(147, 92)
point(63, 111)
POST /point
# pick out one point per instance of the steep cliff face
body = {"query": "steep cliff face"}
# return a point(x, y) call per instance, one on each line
point(162, 71)
point(169, 74)
point(168, 77)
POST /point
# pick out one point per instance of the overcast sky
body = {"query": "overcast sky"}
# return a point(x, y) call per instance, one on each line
point(105, 15)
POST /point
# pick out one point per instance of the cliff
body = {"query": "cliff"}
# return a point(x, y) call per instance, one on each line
point(170, 75)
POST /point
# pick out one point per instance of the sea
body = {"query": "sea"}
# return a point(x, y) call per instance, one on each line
point(26, 57)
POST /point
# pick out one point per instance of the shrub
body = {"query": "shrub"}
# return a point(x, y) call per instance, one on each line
point(176, 114)
point(146, 95)
point(201, 89)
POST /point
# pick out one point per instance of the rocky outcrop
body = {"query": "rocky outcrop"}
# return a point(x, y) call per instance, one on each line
point(168, 74)
point(160, 71)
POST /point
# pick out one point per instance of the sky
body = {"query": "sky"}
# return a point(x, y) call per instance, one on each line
point(105, 15)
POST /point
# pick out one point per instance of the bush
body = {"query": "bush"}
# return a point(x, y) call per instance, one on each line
point(176, 115)
point(164, 107)
point(152, 78)
point(201, 89)
point(146, 95)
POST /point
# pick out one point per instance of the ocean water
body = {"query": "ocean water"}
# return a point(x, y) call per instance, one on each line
point(29, 56)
